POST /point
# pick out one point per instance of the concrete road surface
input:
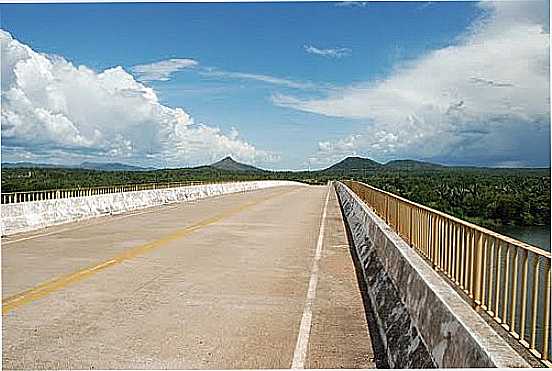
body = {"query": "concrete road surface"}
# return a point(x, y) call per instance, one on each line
point(225, 282)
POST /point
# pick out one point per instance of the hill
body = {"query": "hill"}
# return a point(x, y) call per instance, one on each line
point(356, 163)
point(360, 163)
point(229, 164)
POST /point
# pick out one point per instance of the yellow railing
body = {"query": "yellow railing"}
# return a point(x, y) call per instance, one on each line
point(52, 194)
point(508, 279)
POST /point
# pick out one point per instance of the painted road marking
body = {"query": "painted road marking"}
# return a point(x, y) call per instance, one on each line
point(56, 284)
point(300, 353)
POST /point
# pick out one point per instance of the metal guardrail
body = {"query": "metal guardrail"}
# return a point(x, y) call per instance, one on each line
point(53, 194)
point(508, 279)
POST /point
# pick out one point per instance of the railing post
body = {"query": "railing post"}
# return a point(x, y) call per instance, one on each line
point(534, 302)
point(432, 238)
point(477, 268)
point(397, 219)
point(506, 284)
point(410, 227)
point(387, 209)
point(524, 296)
point(546, 329)
point(513, 287)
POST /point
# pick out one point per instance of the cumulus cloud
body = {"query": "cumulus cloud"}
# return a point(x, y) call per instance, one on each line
point(162, 70)
point(480, 99)
point(54, 109)
point(330, 52)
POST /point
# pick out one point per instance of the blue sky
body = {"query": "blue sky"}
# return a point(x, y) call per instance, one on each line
point(280, 85)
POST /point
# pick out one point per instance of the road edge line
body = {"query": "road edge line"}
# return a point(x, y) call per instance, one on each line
point(301, 347)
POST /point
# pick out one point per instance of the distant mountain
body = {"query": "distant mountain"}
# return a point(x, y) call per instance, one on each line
point(15, 165)
point(360, 163)
point(229, 164)
point(412, 164)
point(111, 166)
point(356, 163)
point(108, 166)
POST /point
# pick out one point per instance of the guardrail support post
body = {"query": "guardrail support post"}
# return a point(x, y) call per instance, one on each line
point(398, 219)
point(478, 268)
point(432, 238)
point(386, 209)
point(546, 332)
point(410, 227)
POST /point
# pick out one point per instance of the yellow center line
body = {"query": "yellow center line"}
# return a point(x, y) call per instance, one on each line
point(48, 287)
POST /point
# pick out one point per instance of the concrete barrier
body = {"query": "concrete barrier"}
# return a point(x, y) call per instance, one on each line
point(27, 216)
point(422, 321)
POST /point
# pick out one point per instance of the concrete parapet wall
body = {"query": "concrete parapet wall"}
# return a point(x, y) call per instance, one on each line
point(27, 216)
point(422, 321)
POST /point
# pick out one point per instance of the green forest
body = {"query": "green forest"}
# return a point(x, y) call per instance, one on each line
point(485, 196)
point(488, 198)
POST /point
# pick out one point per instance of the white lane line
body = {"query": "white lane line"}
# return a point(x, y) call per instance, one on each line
point(300, 353)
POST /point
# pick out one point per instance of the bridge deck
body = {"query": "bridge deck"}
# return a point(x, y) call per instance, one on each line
point(220, 283)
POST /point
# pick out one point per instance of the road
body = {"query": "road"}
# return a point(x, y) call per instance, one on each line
point(224, 282)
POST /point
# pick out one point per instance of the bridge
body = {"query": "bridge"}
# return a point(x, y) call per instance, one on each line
point(262, 275)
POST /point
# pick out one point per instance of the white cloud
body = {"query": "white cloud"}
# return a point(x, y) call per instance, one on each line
point(330, 52)
point(425, 5)
point(257, 77)
point(162, 70)
point(352, 4)
point(54, 109)
point(479, 98)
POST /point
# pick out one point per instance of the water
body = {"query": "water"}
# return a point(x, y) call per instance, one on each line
point(537, 236)
point(534, 235)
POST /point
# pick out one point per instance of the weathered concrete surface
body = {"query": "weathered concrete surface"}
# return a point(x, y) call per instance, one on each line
point(422, 320)
point(223, 286)
point(338, 302)
point(28, 216)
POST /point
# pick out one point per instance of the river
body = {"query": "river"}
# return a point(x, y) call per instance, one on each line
point(534, 235)
point(537, 236)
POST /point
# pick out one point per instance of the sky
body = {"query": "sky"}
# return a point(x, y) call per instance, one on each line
point(288, 85)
